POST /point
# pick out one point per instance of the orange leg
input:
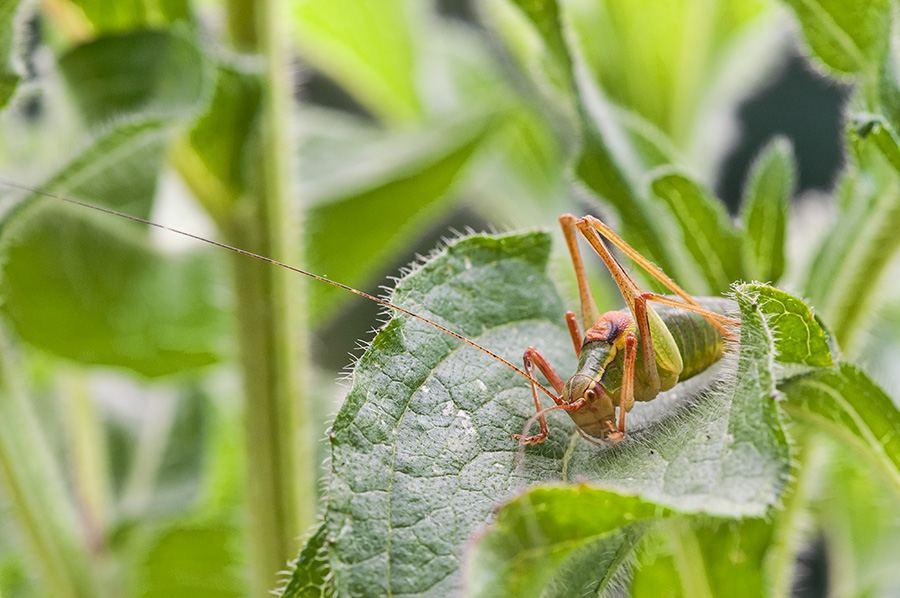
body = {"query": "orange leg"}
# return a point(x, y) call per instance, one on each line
point(572, 323)
point(626, 396)
point(711, 316)
point(589, 312)
point(539, 438)
point(643, 323)
point(533, 358)
point(589, 222)
point(632, 295)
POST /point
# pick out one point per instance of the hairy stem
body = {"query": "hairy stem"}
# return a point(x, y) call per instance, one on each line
point(278, 421)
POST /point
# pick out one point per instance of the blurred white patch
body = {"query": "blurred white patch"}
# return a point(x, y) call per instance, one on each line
point(174, 207)
point(810, 219)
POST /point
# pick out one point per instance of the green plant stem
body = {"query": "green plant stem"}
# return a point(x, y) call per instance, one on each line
point(278, 419)
point(148, 455)
point(87, 450)
point(781, 558)
point(34, 485)
point(689, 559)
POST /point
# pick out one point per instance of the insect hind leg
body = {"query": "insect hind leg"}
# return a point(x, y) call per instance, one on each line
point(632, 295)
point(721, 322)
point(589, 311)
point(600, 229)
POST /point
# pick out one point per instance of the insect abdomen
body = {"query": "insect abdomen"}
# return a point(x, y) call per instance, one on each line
point(700, 344)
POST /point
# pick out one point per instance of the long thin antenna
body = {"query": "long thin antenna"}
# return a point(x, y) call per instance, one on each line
point(278, 263)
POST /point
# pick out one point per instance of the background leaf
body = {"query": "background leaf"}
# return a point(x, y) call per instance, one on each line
point(855, 252)
point(846, 403)
point(703, 555)
point(848, 36)
point(132, 14)
point(37, 490)
point(360, 223)
point(214, 159)
point(130, 306)
point(601, 169)
point(673, 64)
point(706, 229)
point(858, 523)
point(764, 211)
point(558, 541)
point(154, 73)
point(139, 309)
point(9, 76)
point(189, 560)
point(366, 45)
point(533, 34)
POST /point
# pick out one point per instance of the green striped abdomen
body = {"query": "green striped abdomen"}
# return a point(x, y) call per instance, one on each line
point(699, 343)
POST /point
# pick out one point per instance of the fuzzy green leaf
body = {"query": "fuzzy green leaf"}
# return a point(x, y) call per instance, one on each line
point(796, 339)
point(558, 541)
point(766, 202)
point(97, 293)
point(848, 36)
point(311, 577)
point(421, 449)
point(578, 541)
point(706, 229)
point(845, 402)
point(118, 300)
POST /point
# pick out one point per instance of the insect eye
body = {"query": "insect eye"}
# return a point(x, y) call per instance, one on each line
point(590, 394)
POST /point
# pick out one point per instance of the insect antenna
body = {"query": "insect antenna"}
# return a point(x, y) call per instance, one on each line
point(280, 264)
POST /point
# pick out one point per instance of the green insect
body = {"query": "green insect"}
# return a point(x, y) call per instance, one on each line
point(623, 356)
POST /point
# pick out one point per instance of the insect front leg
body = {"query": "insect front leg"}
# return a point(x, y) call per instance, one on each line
point(533, 358)
point(572, 324)
point(626, 396)
point(643, 323)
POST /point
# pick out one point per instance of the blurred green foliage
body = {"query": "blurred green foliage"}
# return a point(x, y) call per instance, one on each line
point(121, 420)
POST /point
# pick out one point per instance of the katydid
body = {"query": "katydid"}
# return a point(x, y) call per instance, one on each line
point(623, 356)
